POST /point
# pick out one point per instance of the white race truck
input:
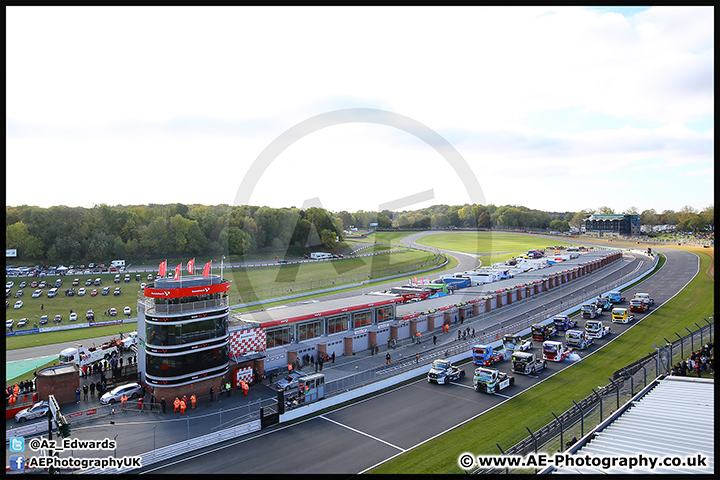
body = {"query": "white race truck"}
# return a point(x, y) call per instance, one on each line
point(82, 356)
point(596, 329)
point(490, 380)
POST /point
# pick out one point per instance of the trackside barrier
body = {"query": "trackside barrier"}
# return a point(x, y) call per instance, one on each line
point(193, 444)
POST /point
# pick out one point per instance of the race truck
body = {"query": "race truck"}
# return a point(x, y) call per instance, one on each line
point(604, 304)
point(590, 310)
point(82, 356)
point(515, 343)
point(616, 297)
point(542, 332)
point(595, 329)
point(443, 371)
point(637, 305)
point(485, 355)
point(527, 363)
point(489, 380)
point(555, 351)
point(578, 339)
point(564, 323)
point(645, 297)
point(621, 315)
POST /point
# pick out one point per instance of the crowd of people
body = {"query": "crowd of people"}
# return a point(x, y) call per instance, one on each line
point(12, 392)
point(702, 360)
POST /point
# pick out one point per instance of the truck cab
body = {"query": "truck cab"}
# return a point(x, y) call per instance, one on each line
point(527, 363)
point(563, 323)
point(555, 351)
point(485, 355)
point(578, 339)
point(596, 329)
point(638, 306)
point(442, 372)
point(645, 297)
point(616, 297)
point(514, 342)
point(490, 380)
point(621, 315)
point(590, 310)
point(542, 332)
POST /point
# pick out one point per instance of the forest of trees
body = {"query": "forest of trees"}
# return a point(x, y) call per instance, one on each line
point(76, 234)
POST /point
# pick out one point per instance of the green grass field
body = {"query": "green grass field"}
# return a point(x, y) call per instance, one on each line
point(505, 424)
point(489, 242)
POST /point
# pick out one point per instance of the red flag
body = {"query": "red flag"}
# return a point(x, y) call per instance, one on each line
point(163, 267)
point(191, 266)
point(178, 269)
point(206, 270)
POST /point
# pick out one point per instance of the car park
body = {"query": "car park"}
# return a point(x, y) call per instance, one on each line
point(73, 317)
point(290, 381)
point(37, 293)
point(22, 322)
point(117, 291)
point(44, 320)
point(81, 292)
point(127, 311)
point(38, 410)
point(18, 304)
point(131, 390)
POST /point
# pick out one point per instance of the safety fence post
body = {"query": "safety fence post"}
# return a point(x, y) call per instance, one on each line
point(617, 392)
point(682, 351)
point(599, 398)
point(582, 419)
point(562, 443)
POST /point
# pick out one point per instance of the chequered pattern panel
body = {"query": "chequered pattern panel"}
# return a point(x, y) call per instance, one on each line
point(254, 340)
point(243, 374)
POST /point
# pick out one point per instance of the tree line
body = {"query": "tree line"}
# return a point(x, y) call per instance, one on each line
point(140, 232)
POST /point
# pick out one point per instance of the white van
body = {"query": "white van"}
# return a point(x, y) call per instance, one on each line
point(52, 292)
point(320, 255)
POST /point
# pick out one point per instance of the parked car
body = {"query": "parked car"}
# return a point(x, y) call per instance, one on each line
point(42, 284)
point(19, 294)
point(112, 312)
point(106, 290)
point(22, 322)
point(127, 311)
point(73, 317)
point(117, 291)
point(9, 323)
point(81, 292)
point(9, 284)
point(22, 285)
point(90, 315)
point(76, 282)
point(18, 304)
point(38, 410)
point(43, 320)
point(57, 319)
point(88, 282)
point(131, 390)
point(291, 381)
point(33, 284)
point(94, 292)
point(37, 293)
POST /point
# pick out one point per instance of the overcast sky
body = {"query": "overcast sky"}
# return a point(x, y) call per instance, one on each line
point(557, 109)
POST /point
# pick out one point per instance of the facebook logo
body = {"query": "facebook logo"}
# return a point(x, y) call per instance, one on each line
point(17, 462)
point(17, 444)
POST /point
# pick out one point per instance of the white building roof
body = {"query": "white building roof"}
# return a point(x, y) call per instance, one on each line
point(676, 418)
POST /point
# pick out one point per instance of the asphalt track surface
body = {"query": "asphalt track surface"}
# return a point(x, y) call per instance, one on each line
point(355, 438)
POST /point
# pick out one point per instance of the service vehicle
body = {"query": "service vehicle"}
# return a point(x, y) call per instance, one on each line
point(637, 305)
point(578, 339)
point(616, 297)
point(621, 315)
point(564, 323)
point(290, 381)
point(129, 341)
point(485, 355)
point(555, 351)
point(130, 390)
point(38, 410)
point(490, 380)
point(442, 372)
point(590, 310)
point(82, 356)
point(596, 329)
point(645, 297)
point(543, 331)
point(515, 343)
point(527, 363)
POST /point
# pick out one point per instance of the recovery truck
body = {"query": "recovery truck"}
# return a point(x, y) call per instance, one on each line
point(590, 310)
point(578, 339)
point(82, 356)
point(596, 329)
point(490, 380)
point(484, 355)
point(542, 332)
point(555, 351)
point(527, 363)
point(564, 323)
point(129, 341)
point(443, 371)
point(637, 305)
point(621, 315)
point(515, 343)
point(616, 297)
